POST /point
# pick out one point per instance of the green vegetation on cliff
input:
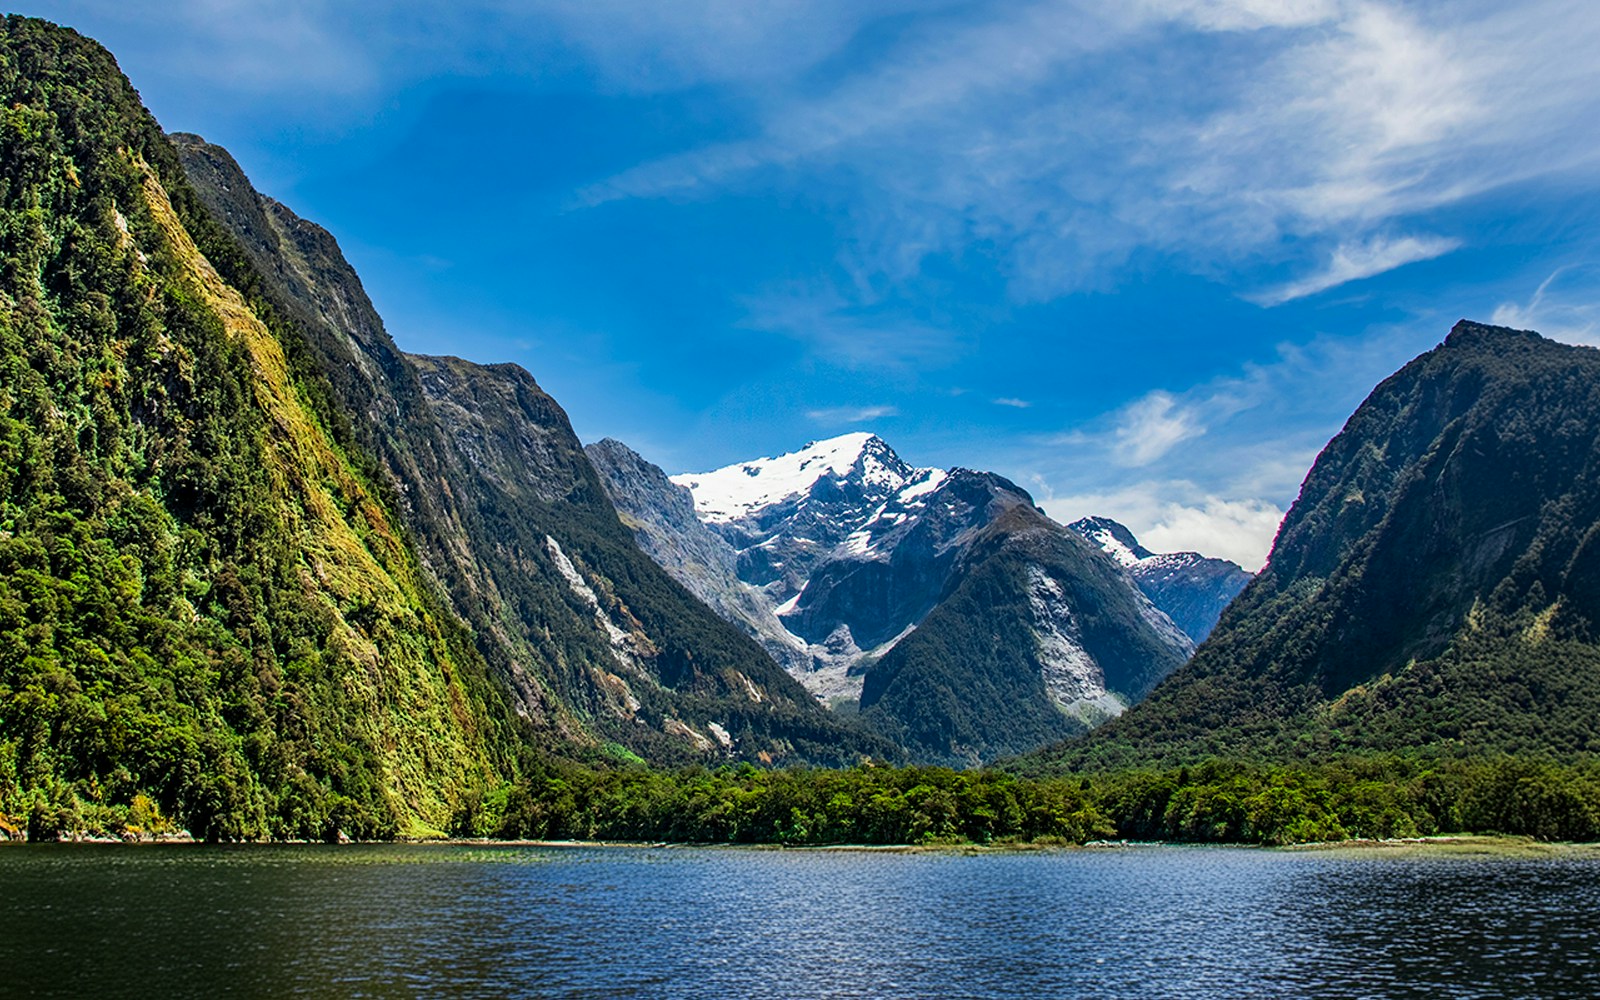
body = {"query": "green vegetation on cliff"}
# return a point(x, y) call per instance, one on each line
point(513, 526)
point(208, 615)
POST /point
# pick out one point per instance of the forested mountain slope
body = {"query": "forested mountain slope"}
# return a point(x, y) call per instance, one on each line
point(209, 612)
point(250, 583)
point(1038, 635)
point(1435, 588)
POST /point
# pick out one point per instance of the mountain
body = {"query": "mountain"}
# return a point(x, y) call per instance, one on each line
point(211, 615)
point(856, 556)
point(1434, 589)
point(1191, 588)
point(1037, 635)
point(594, 641)
point(817, 533)
point(262, 574)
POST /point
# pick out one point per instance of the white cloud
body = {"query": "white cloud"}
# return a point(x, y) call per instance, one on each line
point(1263, 429)
point(1241, 530)
point(1352, 262)
point(851, 414)
point(1151, 426)
point(1565, 306)
point(1064, 136)
point(1016, 404)
point(1238, 137)
point(1176, 516)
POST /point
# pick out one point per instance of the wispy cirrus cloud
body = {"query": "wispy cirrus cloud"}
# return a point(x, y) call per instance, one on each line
point(1565, 306)
point(1058, 136)
point(1067, 136)
point(1352, 262)
point(1150, 427)
point(839, 415)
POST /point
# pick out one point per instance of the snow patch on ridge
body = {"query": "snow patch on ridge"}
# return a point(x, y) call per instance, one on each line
point(1114, 548)
point(619, 638)
point(925, 482)
point(858, 544)
point(789, 606)
point(1073, 679)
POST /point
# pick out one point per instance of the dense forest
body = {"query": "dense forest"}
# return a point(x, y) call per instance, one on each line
point(208, 615)
point(1234, 802)
point(1216, 802)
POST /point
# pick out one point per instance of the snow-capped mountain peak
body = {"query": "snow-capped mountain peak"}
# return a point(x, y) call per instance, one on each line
point(744, 488)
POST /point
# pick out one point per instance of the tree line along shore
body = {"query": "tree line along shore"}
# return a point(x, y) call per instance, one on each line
point(1216, 802)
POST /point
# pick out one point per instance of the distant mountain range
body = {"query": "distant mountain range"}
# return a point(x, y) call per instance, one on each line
point(1191, 588)
point(859, 573)
point(262, 574)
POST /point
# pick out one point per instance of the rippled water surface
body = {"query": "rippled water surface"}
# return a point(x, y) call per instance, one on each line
point(101, 921)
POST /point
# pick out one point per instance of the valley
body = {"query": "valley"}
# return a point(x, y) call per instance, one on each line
point(265, 575)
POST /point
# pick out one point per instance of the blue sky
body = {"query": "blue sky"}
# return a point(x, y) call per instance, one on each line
point(1143, 258)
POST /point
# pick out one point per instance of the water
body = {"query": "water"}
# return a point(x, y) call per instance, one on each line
point(195, 921)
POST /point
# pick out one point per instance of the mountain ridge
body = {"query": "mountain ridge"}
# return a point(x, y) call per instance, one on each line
point(597, 644)
point(1434, 589)
point(210, 612)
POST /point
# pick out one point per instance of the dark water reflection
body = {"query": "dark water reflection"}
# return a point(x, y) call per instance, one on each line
point(87, 921)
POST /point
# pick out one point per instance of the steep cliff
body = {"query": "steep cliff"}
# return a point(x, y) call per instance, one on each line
point(1435, 588)
point(210, 615)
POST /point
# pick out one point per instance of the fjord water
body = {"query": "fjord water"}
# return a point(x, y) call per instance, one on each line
point(106, 921)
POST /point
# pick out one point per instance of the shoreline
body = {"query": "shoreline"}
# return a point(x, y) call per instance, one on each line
point(1443, 845)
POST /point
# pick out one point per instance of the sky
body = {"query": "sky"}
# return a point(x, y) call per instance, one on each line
point(1142, 258)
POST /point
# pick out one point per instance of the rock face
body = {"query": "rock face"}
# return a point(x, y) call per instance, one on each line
point(661, 516)
point(1436, 585)
point(1191, 588)
point(827, 541)
point(855, 554)
point(596, 643)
